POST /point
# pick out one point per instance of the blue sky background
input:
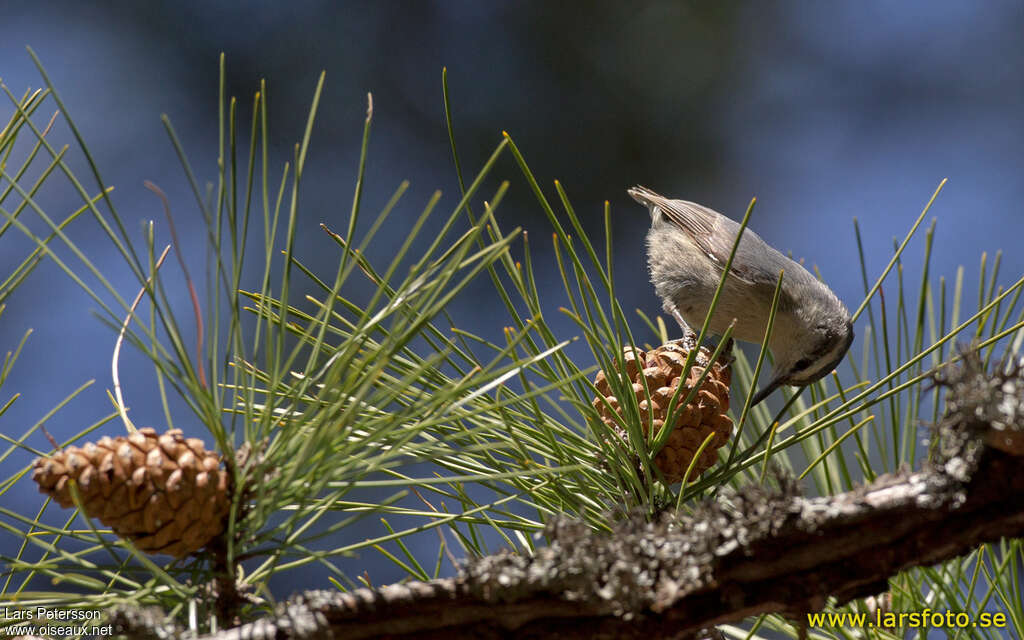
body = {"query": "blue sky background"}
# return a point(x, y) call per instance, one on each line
point(823, 111)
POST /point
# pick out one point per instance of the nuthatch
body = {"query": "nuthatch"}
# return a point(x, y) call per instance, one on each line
point(687, 248)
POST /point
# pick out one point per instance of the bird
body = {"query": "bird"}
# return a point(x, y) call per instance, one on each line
point(688, 246)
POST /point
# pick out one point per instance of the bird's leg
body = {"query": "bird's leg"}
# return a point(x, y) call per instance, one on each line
point(726, 351)
point(674, 312)
point(687, 331)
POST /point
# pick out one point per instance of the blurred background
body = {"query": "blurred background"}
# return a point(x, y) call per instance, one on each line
point(825, 112)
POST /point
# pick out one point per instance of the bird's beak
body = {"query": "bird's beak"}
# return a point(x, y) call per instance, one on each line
point(764, 393)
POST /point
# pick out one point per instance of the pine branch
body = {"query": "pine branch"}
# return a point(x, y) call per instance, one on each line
point(756, 551)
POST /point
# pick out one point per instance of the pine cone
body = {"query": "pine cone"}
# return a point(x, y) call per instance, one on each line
point(166, 493)
point(707, 413)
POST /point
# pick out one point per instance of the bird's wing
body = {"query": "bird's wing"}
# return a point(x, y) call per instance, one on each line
point(701, 224)
point(713, 233)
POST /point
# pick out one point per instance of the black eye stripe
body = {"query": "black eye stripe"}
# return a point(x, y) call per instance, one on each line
point(818, 354)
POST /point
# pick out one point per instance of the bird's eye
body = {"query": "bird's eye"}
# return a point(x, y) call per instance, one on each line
point(802, 364)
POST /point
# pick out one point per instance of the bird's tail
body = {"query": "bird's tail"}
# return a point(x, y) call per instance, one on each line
point(644, 196)
point(648, 198)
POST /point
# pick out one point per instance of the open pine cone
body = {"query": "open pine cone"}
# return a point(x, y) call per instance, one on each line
point(165, 493)
point(706, 414)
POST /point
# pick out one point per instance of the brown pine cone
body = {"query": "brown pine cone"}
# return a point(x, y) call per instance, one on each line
point(706, 414)
point(165, 493)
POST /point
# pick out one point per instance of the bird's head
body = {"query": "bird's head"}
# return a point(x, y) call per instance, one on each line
point(809, 356)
